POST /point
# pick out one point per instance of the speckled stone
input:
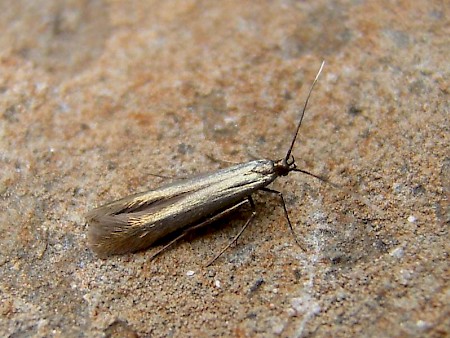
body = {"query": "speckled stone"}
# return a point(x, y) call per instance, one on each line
point(98, 97)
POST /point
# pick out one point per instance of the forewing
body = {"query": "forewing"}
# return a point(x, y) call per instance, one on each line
point(136, 222)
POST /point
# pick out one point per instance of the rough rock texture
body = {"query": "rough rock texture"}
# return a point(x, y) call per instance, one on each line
point(97, 97)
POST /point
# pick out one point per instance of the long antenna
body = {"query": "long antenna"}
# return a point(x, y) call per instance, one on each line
point(303, 113)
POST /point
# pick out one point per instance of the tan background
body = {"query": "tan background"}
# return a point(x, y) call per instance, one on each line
point(96, 96)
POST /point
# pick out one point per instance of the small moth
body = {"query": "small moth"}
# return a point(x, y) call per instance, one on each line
point(136, 222)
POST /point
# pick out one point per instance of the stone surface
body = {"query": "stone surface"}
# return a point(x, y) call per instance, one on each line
point(96, 97)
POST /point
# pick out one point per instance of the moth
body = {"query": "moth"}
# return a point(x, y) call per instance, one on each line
point(136, 222)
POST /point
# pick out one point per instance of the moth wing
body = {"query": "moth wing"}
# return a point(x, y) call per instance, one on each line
point(121, 226)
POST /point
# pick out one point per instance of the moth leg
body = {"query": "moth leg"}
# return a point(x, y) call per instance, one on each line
point(157, 253)
point(285, 214)
point(219, 160)
point(198, 226)
point(252, 204)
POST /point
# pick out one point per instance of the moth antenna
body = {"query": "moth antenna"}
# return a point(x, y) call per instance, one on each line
point(303, 113)
point(356, 195)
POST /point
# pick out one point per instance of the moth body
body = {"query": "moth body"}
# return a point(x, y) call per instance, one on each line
point(135, 222)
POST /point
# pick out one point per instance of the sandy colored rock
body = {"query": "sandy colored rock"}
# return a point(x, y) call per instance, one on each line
point(96, 97)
